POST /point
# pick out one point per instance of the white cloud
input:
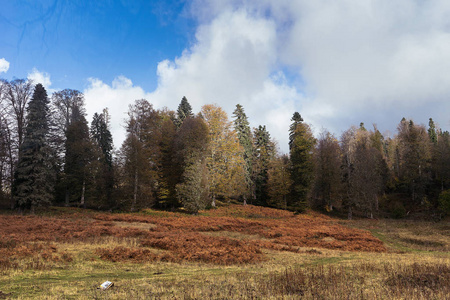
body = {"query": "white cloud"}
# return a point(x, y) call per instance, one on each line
point(116, 97)
point(40, 77)
point(369, 60)
point(232, 62)
point(348, 62)
point(4, 65)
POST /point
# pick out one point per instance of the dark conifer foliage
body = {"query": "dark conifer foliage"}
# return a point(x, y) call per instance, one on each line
point(184, 111)
point(77, 159)
point(301, 146)
point(103, 147)
point(242, 127)
point(264, 151)
point(34, 175)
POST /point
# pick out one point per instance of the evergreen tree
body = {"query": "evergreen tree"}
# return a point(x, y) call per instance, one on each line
point(301, 146)
point(242, 127)
point(103, 141)
point(191, 148)
point(184, 111)
point(77, 159)
point(33, 186)
point(432, 131)
point(264, 152)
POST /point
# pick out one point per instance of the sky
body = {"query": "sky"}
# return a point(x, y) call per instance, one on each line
point(338, 63)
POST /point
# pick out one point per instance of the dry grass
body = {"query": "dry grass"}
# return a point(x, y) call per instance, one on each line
point(233, 252)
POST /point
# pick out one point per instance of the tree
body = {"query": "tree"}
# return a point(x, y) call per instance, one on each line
point(278, 182)
point(67, 107)
point(78, 156)
point(327, 173)
point(264, 151)
point(18, 94)
point(432, 131)
point(225, 162)
point(441, 160)
point(103, 142)
point(363, 170)
point(301, 147)
point(244, 133)
point(139, 154)
point(169, 169)
point(414, 158)
point(184, 111)
point(33, 184)
point(192, 145)
point(15, 97)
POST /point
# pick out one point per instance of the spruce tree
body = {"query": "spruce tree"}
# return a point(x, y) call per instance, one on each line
point(77, 158)
point(33, 186)
point(184, 111)
point(301, 146)
point(103, 141)
point(432, 131)
point(242, 127)
point(263, 154)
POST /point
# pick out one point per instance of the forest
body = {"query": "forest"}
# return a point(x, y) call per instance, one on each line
point(50, 155)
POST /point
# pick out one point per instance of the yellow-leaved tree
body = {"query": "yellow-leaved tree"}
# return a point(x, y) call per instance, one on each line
point(225, 160)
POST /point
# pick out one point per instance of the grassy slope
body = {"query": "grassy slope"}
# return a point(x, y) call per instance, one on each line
point(57, 256)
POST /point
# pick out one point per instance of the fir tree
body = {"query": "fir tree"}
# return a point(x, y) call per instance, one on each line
point(103, 141)
point(34, 175)
point(78, 156)
point(301, 146)
point(263, 154)
point(184, 111)
point(432, 131)
point(242, 127)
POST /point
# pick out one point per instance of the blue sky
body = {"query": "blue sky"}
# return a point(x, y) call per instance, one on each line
point(75, 40)
point(338, 63)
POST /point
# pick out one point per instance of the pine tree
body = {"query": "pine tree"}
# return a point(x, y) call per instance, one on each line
point(301, 146)
point(184, 111)
point(242, 127)
point(33, 186)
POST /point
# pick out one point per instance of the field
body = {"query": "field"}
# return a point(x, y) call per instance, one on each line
point(233, 252)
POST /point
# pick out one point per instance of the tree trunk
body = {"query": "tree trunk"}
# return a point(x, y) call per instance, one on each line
point(83, 190)
point(66, 198)
point(350, 213)
point(133, 205)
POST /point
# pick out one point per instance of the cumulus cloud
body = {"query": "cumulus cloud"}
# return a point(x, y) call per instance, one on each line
point(116, 97)
point(232, 62)
point(4, 65)
point(337, 63)
point(40, 77)
point(371, 61)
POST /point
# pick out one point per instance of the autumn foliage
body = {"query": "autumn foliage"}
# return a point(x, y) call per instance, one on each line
point(229, 235)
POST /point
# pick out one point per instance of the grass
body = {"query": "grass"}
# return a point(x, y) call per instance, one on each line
point(270, 254)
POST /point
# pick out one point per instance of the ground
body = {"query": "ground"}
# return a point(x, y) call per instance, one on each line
point(233, 252)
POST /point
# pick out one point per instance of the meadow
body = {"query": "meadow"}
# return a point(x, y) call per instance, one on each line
point(233, 252)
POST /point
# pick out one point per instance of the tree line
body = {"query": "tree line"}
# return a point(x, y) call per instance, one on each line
point(51, 155)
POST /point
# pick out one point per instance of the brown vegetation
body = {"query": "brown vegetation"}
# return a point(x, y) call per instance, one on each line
point(182, 237)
